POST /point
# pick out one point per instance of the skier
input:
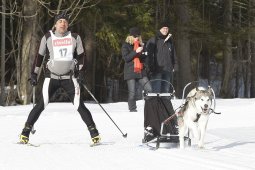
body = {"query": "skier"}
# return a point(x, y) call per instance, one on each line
point(58, 47)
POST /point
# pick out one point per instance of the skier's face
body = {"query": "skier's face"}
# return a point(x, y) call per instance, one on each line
point(61, 26)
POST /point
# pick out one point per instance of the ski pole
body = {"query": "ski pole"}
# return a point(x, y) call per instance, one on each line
point(33, 130)
point(33, 96)
point(124, 135)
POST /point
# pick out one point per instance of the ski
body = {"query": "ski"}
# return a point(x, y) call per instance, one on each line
point(101, 143)
point(95, 144)
point(27, 144)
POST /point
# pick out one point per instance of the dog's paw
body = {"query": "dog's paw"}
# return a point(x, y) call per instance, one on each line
point(200, 144)
point(181, 145)
point(201, 147)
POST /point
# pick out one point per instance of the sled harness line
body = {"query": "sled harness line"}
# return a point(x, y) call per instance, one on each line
point(179, 114)
point(198, 116)
point(213, 111)
point(210, 111)
point(175, 114)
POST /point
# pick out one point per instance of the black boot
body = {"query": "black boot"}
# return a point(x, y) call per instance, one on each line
point(24, 137)
point(94, 134)
point(148, 134)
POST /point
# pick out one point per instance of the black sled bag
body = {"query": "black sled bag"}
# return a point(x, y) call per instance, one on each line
point(156, 110)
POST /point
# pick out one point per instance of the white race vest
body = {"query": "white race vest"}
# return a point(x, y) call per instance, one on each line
point(62, 60)
point(62, 47)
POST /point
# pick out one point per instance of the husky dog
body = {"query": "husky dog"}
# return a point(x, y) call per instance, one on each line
point(194, 114)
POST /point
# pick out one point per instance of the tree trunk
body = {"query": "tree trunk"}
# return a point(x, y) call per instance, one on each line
point(89, 47)
point(204, 62)
point(183, 45)
point(252, 24)
point(238, 76)
point(28, 49)
point(157, 14)
point(227, 52)
point(2, 97)
point(12, 94)
point(246, 68)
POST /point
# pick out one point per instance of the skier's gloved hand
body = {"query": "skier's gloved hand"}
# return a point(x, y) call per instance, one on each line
point(33, 79)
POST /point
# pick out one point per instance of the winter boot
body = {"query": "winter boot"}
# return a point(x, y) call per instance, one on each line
point(24, 137)
point(94, 134)
point(148, 134)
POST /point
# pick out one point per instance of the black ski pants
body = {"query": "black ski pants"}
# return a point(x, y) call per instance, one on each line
point(72, 88)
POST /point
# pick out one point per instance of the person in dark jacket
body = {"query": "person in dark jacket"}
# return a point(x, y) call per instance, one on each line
point(57, 49)
point(162, 59)
point(134, 71)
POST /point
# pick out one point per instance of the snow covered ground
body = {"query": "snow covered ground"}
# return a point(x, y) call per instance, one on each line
point(64, 140)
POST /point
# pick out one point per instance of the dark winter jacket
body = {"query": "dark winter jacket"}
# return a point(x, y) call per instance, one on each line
point(161, 53)
point(128, 55)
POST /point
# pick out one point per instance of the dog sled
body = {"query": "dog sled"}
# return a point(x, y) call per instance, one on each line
point(160, 121)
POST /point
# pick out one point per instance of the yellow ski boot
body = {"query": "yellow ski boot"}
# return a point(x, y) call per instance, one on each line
point(24, 137)
point(94, 135)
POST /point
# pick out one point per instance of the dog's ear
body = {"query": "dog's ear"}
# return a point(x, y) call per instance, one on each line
point(197, 89)
point(210, 90)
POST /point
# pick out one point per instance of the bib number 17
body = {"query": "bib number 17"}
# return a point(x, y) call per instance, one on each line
point(63, 52)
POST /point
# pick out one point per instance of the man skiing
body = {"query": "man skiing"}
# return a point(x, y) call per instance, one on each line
point(58, 48)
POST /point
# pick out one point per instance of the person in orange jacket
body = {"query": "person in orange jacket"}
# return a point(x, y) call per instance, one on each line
point(134, 70)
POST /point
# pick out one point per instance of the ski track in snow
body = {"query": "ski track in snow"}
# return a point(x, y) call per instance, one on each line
point(64, 140)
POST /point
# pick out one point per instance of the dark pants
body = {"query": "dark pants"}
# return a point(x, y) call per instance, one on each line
point(161, 86)
point(72, 88)
point(132, 90)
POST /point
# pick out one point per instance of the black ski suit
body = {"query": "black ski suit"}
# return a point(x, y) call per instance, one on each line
point(57, 76)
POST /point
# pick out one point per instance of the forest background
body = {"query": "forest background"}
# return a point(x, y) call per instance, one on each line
point(214, 41)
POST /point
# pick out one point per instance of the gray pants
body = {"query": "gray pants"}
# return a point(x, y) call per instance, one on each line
point(132, 90)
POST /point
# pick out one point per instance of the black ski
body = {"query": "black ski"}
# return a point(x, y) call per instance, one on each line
point(27, 144)
point(95, 144)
